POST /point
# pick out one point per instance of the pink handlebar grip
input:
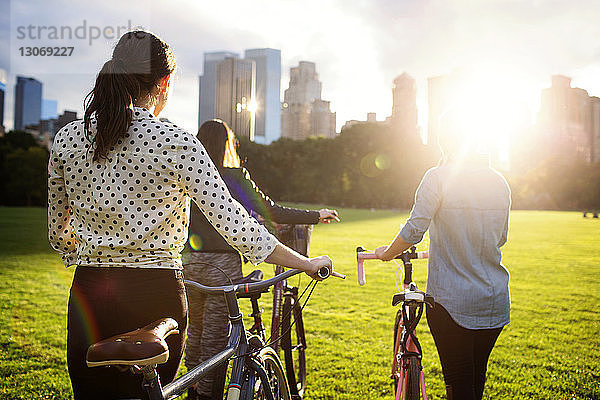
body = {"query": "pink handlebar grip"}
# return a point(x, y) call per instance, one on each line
point(360, 259)
point(423, 254)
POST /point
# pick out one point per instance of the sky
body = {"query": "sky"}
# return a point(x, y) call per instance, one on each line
point(358, 46)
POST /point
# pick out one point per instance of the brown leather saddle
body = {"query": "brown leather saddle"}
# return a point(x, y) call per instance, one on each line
point(141, 347)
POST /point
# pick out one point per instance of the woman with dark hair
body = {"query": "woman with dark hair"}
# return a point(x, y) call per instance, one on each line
point(214, 262)
point(465, 205)
point(119, 189)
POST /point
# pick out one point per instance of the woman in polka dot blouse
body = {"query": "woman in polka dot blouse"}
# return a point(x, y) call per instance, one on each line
point(119, 189)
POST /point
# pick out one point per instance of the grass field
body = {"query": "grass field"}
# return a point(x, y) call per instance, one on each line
point(550, 350)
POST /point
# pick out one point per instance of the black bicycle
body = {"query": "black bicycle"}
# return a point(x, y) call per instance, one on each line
point(257, 371)
point(287, 325)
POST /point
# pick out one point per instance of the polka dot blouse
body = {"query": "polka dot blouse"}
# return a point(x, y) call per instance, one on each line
point(132, 210)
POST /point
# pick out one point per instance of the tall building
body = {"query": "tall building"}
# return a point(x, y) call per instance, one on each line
point(565, 120)
point(65, 118)
point(2, 96)
point(442, 92)
point(439, 89)
point(28, 102)
point(322, 120)
point(304, 113)
point(235, 101)
point(49, 109)
point(595, 128)
point(208, 85)
point(268, 91)
point(404, 106)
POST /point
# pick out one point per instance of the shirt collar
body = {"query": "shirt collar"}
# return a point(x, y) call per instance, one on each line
point(140, 113)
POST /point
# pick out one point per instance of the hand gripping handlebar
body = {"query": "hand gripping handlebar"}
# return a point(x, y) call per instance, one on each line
point(362, 255)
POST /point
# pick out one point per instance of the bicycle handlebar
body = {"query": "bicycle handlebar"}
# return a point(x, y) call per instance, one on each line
point(362, 255)
point(323, 273)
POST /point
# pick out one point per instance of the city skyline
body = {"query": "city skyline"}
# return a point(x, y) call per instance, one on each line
point(359, 47)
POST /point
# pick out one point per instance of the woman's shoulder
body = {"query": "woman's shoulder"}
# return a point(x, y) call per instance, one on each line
point(72, 133)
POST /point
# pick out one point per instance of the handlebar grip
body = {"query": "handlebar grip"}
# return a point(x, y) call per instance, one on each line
point(422, 254)
point(324, 272)
point(361, 256)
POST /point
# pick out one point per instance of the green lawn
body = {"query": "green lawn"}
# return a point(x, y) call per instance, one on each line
point(551, 349)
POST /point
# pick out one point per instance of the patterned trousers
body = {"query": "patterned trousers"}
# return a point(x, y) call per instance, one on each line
point(208, 330)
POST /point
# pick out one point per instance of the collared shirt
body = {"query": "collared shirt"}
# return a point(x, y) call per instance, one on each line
point(132, 209)
point(466, 208)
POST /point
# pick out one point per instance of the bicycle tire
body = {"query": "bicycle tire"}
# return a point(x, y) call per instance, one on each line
point(277, 378)
point(293, 344)
point(276, 315)
point(397, 325)
point(412, 375)
point(413, 379)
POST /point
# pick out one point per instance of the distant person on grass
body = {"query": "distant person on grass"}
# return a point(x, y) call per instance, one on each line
point(465, 205)
point(119, 189)
point(213, 262)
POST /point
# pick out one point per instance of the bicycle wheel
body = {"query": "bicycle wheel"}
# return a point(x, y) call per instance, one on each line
point(276, 376)
point(293, 343)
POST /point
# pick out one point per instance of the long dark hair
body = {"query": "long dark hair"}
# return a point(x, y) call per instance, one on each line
point(139, 61)
point(220, 142)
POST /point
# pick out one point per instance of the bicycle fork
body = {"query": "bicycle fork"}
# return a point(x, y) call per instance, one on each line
point(407, 350)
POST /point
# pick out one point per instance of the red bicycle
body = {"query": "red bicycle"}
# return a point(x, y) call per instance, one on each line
point(407, 371)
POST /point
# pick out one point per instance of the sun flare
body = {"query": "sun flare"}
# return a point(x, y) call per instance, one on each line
point(495, 110)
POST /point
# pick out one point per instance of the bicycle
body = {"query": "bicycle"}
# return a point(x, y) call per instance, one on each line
point(257, 370)
point(407, 371)
point(287, 313)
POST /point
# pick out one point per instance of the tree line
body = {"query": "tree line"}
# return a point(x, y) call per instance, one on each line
point(366, 165)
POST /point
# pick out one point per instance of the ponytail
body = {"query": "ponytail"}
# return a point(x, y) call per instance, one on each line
point(140, 60)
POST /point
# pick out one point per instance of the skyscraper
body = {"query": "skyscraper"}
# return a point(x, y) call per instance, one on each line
point(49, 109)
point(404, 108)
point(304, 113)
point(2, 95)
point(438, 95)
point(208, 85)
point(268, 91)
point(595, 109)
point(28, 102)
point(235, 102)
point(322, 120)
point(565, 119)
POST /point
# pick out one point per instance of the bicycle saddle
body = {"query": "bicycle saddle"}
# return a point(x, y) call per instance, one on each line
point(141, 347)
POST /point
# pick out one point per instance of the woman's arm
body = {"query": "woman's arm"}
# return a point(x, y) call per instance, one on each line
point(398, 246)
point(60, 232)
point(256, 200)
point(427, 202)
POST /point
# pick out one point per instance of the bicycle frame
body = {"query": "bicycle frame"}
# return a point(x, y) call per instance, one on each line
point(296, 237)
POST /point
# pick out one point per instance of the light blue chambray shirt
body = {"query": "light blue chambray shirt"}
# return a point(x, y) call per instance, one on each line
point(466, 209)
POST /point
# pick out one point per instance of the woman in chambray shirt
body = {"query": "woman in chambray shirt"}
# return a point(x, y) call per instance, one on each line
point(465, 205)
